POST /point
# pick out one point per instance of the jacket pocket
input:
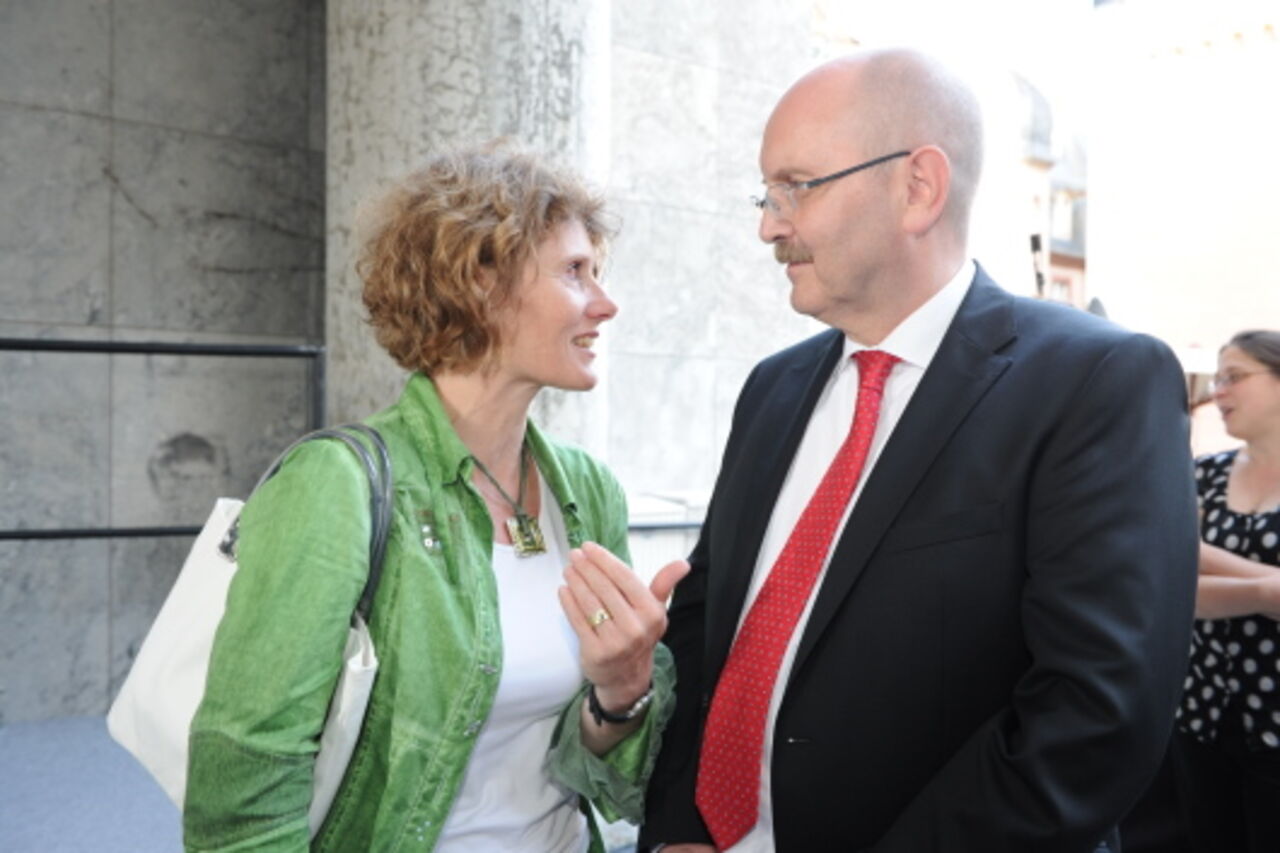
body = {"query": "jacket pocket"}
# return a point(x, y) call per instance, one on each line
point(948, 527)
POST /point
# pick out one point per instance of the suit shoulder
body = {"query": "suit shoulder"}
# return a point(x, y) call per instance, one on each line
point(1074, 350)
point(1053, 321)
point(1068, 330)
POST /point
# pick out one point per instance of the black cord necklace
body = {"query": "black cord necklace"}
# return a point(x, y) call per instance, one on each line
point(525, 532)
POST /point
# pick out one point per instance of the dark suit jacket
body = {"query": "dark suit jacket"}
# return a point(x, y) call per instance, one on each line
point(994, 658)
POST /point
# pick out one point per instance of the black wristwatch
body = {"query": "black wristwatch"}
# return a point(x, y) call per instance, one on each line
point(601, 716)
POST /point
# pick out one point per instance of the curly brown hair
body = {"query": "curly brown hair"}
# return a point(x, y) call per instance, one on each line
point(448, 244)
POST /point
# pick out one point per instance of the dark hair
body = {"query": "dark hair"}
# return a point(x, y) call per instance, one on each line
point(1259, 344)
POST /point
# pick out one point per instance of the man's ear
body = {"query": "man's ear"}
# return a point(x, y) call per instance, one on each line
point(928, 188)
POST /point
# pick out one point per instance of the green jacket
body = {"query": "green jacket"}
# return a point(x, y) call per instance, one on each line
point(303, 557)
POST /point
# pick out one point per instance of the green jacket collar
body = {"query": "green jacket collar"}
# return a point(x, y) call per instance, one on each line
point(447, 460)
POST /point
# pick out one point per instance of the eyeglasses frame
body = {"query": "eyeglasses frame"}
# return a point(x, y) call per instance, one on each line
point(1217, 383)
point(763, 202)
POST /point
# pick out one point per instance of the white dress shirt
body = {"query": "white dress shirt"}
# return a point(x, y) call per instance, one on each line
point(914, 341)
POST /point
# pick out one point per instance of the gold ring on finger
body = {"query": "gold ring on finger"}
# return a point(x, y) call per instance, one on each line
point(600, 617)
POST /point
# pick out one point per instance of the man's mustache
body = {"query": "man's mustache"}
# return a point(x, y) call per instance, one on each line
point(786, 253)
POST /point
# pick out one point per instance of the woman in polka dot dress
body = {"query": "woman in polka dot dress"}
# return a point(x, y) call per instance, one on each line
point(1227, 755)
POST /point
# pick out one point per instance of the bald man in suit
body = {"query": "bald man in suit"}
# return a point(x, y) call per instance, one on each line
point(986, 650)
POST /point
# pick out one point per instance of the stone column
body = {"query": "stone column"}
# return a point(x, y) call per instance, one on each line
point(407, 78)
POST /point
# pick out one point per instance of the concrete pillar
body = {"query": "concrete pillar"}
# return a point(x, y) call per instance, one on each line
point(407, 78)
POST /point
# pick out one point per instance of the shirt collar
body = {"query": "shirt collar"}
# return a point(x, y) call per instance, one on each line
point(916, 339)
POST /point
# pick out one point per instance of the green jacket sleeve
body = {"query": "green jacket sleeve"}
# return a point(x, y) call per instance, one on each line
point(615, 783)
point(303, 559)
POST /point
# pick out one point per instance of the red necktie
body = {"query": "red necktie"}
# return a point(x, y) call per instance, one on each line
point(729, 767)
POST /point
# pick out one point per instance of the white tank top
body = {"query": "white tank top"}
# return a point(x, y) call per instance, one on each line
point(507, 802)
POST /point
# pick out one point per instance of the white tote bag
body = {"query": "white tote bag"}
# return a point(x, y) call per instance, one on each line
point(151, 716)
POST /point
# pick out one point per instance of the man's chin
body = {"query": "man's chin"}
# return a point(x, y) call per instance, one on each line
point(805, 300)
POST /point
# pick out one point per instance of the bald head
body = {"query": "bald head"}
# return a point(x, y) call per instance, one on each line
point(889, 100)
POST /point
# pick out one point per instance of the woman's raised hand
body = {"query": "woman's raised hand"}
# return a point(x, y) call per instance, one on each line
point(618, 620)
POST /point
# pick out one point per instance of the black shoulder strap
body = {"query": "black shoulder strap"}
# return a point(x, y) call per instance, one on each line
point(377, 466)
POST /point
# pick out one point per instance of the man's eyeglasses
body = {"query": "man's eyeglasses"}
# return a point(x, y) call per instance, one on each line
point(1223, 381)
point(780, 197)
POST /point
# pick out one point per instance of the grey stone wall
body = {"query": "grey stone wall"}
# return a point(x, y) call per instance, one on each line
point(161, 179)
point(701, 299)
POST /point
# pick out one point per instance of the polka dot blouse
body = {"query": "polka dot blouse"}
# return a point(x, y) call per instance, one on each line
point(1235, 663)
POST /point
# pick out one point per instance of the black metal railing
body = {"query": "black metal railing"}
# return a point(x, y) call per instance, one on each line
point(312, 352)
point(309, 351)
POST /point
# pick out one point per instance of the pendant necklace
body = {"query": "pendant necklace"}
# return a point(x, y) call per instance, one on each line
point(526, 534)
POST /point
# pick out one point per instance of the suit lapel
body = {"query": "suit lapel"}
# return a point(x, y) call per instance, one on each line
point(778, 426)
point(963, 369)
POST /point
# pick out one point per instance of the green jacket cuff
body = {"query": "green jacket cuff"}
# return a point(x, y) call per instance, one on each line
point(615, 783)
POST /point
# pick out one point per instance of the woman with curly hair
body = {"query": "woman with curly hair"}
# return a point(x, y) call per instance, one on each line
point(520, 671)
